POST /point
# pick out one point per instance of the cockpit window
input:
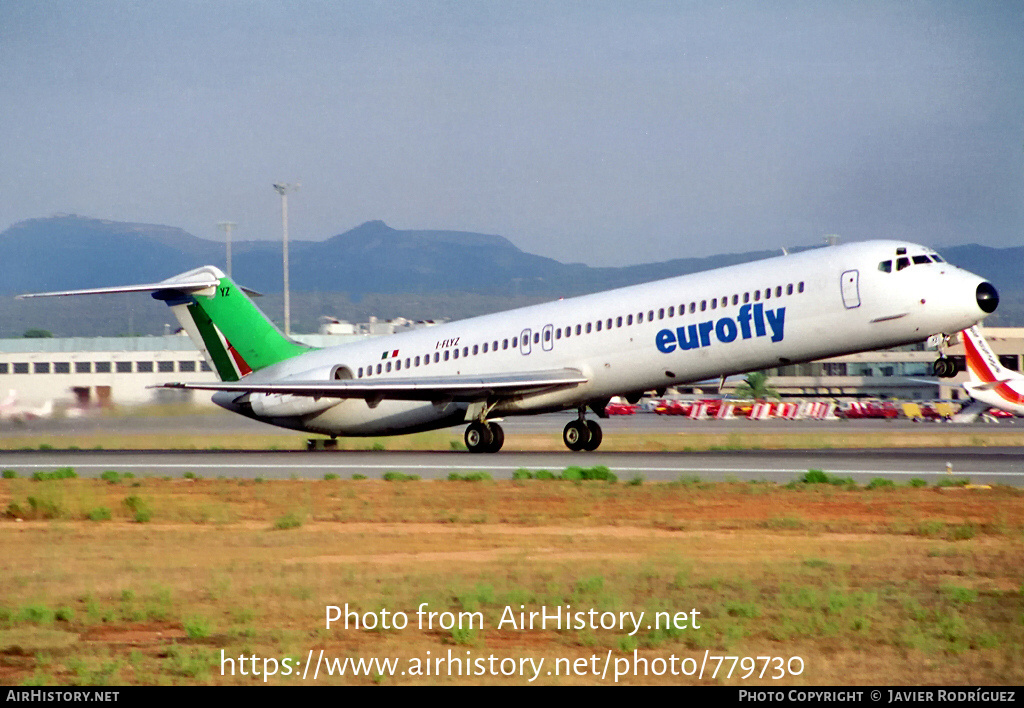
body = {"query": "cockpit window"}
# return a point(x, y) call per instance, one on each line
point(902, 263)
point(921, 259)
point(885, 266)
point(937, 258)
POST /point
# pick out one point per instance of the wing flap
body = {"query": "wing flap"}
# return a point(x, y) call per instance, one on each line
point(455, 388)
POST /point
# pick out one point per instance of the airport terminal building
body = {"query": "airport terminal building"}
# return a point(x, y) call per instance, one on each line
point(105, 371)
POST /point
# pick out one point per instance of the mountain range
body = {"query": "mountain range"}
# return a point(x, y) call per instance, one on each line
point(410, 271)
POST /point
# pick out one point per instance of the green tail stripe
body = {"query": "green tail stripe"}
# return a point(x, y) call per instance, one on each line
point(221, 358)
point(256, 339)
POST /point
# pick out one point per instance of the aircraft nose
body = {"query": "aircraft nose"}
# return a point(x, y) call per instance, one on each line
point(988, 298)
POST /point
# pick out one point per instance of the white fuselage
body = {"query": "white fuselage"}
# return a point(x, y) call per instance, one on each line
point(800, 307)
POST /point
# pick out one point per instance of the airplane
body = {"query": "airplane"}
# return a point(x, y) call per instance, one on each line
point(11, 411)
point(992, 385)
point(570, 353)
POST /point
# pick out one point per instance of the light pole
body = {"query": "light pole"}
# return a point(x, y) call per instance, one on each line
point(227, 226)
point(283, 190)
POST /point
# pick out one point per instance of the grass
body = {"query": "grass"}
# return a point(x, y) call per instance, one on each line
point(816, 571)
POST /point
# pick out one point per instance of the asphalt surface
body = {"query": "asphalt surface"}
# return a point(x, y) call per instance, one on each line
point(985, 465)
point(982, 465)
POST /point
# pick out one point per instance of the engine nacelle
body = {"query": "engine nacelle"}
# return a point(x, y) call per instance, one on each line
point(286, 405)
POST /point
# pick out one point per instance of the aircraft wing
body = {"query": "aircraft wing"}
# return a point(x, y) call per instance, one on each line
point(450, 388)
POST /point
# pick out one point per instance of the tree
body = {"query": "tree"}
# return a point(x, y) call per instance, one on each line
point(755, 386)
point(37, 334)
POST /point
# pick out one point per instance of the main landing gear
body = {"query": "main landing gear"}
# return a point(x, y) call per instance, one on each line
point(582, 434)
point(484, 437)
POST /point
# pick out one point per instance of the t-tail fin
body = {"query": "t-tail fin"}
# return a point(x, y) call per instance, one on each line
point(234, 335)
point(982, 363)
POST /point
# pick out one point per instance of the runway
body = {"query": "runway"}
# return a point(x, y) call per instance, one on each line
point(991, 465)
point(982, 465)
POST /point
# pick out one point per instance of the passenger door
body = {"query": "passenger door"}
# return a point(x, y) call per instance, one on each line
point(851, 289)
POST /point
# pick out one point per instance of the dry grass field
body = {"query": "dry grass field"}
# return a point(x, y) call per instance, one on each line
point(195, 581)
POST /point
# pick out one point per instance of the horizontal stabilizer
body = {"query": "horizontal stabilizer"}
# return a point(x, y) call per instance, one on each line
point(454, 388)
point(190, 282)
point(987, 386)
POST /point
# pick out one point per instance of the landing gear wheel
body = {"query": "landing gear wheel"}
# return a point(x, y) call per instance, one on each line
point(479, 437)
point(595, 436)
point(497, 437)
point(944, 368)
point(576, 435)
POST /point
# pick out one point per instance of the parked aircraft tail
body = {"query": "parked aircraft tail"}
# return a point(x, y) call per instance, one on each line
point(991, 382)
point(234, 335)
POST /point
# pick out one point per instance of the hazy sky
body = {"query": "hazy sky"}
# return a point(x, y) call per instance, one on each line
point(601, 132)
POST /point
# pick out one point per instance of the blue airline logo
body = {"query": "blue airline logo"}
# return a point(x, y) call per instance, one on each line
point(750, 322)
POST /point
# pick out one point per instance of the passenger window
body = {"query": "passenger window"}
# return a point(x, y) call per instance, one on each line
point(485, 347)
point(672, 311)
point(360, 373)
point(578, 329)
point(789, 289)
point(639, 317)
point(629, 320)
point(800, 287)
point(447, 353)
point(504, 344)
point(703, 305)
point(588, 327)
point(661, 313)
point(515, 342)
point(476, 349)
point(714, 303)
point(465, 352)
point(746, 298)
point(778, 291)
point(455, 355)
point(437, 357)
point(693, 307)
point(378, 368)
point(650, 315)
point(767, 293)
point(736, 298)
point(388, 367)
point(599, 325)
point(757, 295)
point(618, 321)
point(609, 323)
point(398, 365)
point(536, 337)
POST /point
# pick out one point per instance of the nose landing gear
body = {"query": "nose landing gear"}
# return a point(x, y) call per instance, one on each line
point(945, 368)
